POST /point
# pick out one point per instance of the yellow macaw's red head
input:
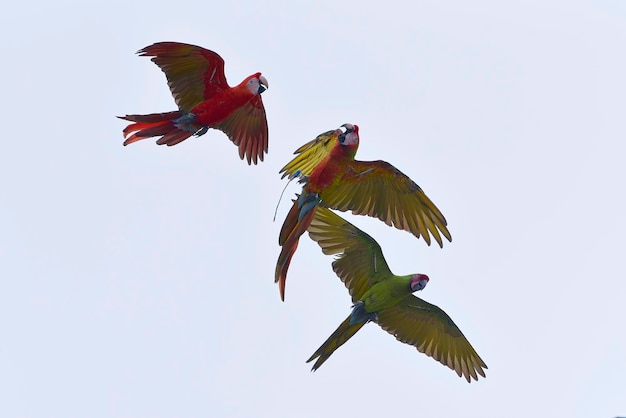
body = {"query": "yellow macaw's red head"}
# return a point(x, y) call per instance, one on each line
point(256, 83)
point(349, 137)
point(418, 282)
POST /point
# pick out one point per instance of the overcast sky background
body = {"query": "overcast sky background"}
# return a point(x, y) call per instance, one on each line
point(138, 281)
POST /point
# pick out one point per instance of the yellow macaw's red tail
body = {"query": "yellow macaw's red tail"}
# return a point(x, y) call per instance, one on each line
point(156, 124)
point(343, 333)
point(296, 223)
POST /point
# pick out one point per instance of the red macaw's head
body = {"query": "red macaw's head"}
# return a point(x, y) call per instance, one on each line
point(418, 282)
point(349, 137)
point(256, 83)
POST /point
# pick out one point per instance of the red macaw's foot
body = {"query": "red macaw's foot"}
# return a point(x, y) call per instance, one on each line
point(360, 315)
point(187, 123)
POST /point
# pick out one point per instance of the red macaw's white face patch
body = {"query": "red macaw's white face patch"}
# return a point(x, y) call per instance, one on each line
point(257, 84)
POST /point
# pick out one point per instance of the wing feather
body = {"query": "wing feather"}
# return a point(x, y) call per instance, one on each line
point(378, 189)
point(310, 154)
point(360, 263)
point(428, 328)
point(247, 128)
point(193, 73)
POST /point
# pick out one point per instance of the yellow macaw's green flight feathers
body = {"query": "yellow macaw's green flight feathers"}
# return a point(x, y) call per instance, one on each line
point(388, 299)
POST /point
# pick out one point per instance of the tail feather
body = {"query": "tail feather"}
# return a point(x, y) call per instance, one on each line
point(296, 224)
point(153, 117)
point(289, 224)
point(343, 333)
point(282, 265)
point(154, 125)
point(174, 137)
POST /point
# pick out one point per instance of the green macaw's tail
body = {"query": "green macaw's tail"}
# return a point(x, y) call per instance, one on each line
point(338, 338)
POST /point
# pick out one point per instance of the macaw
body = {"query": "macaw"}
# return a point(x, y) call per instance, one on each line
point(205, 100)
point(382, 297)
point(334, 179)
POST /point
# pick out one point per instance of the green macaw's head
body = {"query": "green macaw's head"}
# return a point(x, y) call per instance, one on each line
point(418, 282)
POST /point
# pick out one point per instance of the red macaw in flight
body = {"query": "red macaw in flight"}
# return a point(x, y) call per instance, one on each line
point(382, 297)
point(205, 100)
point(334, 179)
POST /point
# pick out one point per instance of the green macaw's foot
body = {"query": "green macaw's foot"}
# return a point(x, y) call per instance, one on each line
point(360, 315)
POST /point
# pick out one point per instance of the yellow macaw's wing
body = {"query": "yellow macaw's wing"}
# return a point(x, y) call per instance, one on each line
point(425, 326)
point(193, 73)
point(338, 338)
point(360, 264)
point(247, 128)
point(311, 154)
point(378, 189)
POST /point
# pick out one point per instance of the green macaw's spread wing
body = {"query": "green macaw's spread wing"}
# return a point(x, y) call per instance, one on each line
point(378, 189)
point(310, 154)
point(425, 326)
point(193, 73)
point(361, 263)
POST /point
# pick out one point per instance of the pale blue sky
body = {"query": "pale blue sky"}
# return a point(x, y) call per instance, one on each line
point(138, 281)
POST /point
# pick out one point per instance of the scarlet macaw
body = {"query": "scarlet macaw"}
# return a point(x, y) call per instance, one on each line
point(382, 297)
point(334, 179)
point(205, 100)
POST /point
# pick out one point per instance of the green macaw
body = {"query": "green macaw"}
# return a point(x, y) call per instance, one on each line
point(380, 296)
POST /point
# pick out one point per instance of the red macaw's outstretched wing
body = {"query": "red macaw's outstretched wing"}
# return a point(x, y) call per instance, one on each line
point(378, 189)
point(360, 264)
point(428, 328)
point(311, 154)
point(247, 128)
point(193, 73)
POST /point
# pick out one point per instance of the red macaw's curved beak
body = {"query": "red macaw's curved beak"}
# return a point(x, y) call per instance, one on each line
point(263, 84)
point(418, 282)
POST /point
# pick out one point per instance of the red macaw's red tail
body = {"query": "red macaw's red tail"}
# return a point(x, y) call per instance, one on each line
point(172, 127)
point(296, 223)
point(343, 333)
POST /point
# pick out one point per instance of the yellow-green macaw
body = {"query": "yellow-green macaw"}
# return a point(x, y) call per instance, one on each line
point(380, 296)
